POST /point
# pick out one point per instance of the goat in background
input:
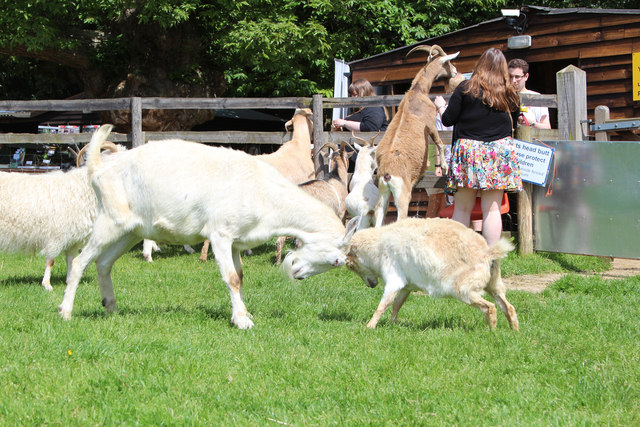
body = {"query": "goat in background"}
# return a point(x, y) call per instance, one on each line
point(363, 193)
point(403, 152)
point(49, 213)
point(227, 196)
point(331, 190)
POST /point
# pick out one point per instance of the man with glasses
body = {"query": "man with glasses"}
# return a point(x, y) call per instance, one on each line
point(530, 116)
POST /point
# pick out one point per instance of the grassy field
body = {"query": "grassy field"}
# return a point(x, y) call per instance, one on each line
point(170, 356)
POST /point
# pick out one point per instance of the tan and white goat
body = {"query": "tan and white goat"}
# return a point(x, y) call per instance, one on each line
point(440, 257)
point(403, 152)
point(227, 196)
point(293, 159)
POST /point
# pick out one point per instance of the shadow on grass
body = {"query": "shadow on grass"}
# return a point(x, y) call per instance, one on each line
point(447, 322)
point(336, 315)
point(216, 313)
point(450, 323)
point(28, 280)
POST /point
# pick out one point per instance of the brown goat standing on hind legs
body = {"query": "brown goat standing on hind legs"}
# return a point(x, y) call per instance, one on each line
point(293, 159)
point(403, 152)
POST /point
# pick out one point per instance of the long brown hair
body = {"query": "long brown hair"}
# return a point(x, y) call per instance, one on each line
point(491, 81)
point(361, 87)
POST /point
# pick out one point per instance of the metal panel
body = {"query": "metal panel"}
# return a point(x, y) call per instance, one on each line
point(594, 207)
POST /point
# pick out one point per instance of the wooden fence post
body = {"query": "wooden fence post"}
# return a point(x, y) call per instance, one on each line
point(572, 104)
point(525, 207)
point(601, 116)
point(318, 142)
point(136, 122)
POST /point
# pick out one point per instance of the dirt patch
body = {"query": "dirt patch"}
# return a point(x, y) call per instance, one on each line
point(620, 268)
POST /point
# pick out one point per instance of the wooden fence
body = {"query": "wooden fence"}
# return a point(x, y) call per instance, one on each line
point(570, 103)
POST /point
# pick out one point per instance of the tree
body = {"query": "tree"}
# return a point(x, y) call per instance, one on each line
point(193, 48)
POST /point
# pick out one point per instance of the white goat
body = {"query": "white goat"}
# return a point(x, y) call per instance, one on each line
point(331, 190)
point(293, 159)
point(438, 256)
point(149, 246)
point(49, 213)
point(403, 152)
point(363, 193)
point(227, 196)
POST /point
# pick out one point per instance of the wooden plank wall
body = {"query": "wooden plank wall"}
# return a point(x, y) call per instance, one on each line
point(600, 44)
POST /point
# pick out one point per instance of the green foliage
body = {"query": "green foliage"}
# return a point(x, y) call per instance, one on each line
point(170, 356)
point(259, 47)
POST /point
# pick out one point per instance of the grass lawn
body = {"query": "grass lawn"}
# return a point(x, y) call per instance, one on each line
point(170, 356)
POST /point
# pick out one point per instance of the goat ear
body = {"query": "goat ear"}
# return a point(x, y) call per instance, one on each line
point(448, 58)
point(357, 146)
point(351, 228)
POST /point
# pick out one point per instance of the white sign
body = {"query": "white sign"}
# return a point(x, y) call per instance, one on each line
point(534, 161)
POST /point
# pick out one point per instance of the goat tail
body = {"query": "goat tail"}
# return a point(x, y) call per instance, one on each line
point(501, 249)
point(95, 145)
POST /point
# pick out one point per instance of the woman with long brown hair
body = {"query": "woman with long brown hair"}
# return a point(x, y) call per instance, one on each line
point(367, 119)
point(483, 111)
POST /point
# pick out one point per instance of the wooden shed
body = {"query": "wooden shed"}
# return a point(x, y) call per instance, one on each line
point(599, 41)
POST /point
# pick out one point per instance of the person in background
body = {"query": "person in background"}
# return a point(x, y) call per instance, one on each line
point(483, 111)
point(537, 117)
point(367, 119)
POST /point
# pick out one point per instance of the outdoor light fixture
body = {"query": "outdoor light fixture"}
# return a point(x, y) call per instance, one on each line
point(518, 22)
point(515, 19)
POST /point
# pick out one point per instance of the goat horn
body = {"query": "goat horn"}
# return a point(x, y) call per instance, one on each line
point(72, 151)
point(331, 145)
point(374, 138)
point(344, 144)
point(364, 141)
point(437, 49)
point(451, 57)
point(423, 47)
point(108, 145)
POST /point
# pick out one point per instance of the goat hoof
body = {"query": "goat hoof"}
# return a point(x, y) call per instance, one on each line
point(47, 287)
point(65, 314)
point(242, 322)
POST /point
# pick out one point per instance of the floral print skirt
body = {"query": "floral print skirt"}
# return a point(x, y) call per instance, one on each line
point(484, 165)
